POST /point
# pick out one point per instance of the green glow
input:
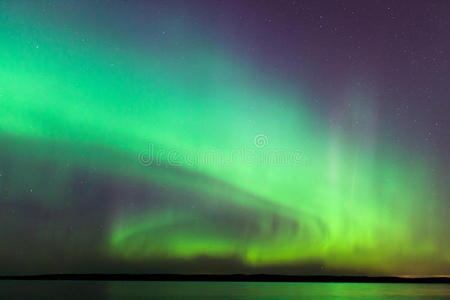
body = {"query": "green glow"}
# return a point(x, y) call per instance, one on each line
point(353, 201)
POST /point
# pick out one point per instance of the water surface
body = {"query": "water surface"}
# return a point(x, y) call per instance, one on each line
point(130, 290)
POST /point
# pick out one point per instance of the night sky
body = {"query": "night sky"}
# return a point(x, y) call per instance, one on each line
point(288, 137)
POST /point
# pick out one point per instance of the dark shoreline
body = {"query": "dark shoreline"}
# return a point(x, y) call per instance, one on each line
point(229, 278)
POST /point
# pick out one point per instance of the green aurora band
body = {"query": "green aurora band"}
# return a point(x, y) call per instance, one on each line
point(352, 200)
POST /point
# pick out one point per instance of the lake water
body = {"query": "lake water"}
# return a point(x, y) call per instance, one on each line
point(130, 290)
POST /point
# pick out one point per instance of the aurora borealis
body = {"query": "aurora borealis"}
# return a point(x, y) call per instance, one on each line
point(124, 123)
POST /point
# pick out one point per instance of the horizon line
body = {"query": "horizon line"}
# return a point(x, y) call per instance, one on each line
point(445, 279)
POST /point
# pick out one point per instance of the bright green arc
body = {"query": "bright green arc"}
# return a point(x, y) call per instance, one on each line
point(352, 201)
